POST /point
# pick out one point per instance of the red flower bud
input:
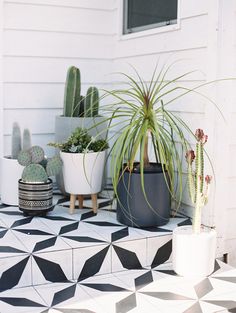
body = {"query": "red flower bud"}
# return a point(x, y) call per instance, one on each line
point(200, 136)
point(208, 179)
point(190, 156)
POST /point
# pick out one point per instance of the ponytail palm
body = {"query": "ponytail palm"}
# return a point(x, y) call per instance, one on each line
point(142, 111)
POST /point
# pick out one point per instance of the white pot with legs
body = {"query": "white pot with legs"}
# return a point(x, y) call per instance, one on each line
point(83, 172)
point(194, 253)
point(83, 175)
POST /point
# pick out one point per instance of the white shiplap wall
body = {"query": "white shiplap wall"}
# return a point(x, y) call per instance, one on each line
point(1, 79)
point(42, 38)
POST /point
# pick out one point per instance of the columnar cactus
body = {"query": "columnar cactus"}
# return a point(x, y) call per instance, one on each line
point(26, 141)
point(37, 167)
point(15, 141)
point(91, 102)
point(198, 192)
point(72, 92)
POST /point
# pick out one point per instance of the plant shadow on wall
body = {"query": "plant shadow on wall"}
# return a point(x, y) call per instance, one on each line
point(144, 189)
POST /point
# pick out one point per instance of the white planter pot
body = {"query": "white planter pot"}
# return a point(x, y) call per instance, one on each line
point(83, 173)
point(193, 254)
point(11, 172)
point(64, 126)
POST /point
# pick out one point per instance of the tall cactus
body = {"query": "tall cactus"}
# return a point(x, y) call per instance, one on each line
point(72, 92)
point(15, 141)
point(26, 141)
point(198, 194)
point(91, 102)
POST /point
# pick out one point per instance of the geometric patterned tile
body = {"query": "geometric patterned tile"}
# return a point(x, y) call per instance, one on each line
point(129, 255)
point(143, 290)
point(15, 272)
point(159, 250)
point(21, 300)
point(62, 246)
point(53, 266)
point(69, 297)
point(90, 261)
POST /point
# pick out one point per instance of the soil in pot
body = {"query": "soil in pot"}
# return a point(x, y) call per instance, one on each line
point(132, 206)
point(35, 199)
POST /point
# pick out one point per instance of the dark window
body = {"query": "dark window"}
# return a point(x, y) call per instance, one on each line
point(145, 14)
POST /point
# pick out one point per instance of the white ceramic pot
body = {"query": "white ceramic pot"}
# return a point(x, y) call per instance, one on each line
point(193, 254)
point(11, 172)
point(83, 173)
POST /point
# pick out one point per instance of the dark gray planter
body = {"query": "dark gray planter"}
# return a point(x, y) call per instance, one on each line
point(35, 199)
point(64, 126)
point(132, 207)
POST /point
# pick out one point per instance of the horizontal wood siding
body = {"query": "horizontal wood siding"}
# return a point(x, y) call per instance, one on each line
point(41, 40)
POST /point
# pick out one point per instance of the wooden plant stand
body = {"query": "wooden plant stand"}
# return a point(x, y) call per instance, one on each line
point(81, 199)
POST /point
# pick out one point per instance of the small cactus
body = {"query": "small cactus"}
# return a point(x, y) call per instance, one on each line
point(54, 166)
point(72, 92)
point(24, 158)
point(15, 141)
point(34, 173)
point(91, 102)
point(37, 166)
point(44, 162)
point(26, 141)
point(198, 194)
point(37, 154)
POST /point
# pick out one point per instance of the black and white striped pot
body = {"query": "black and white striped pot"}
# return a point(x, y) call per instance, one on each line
point(35, 198)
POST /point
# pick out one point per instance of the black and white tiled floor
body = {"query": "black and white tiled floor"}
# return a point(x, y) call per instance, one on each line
point(85, 263)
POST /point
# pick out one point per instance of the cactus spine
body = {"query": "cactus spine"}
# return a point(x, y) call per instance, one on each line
point(72, 92)
point(198, 194)
point(15, 141)
point(91, 102)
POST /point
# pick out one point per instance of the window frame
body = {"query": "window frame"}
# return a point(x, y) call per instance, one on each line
point(146, 30)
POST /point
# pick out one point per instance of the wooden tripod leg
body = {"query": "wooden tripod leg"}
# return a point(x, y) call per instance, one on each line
point(81, 200)
point(72, 203)
point(94, 202)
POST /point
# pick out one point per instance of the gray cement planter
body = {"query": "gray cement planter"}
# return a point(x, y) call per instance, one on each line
point(132, 207)
point(64, 126)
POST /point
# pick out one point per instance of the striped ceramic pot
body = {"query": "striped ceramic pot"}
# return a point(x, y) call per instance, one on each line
point(35, 198)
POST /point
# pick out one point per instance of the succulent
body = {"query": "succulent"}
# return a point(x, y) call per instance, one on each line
point(198, 194)
point(37, 154)
point(24, 158)
point(54, 165)
point(34, 173)
point(81, 142)
point(15, 141)
point(37, 166)
point(72, 92)
point(26, 142)
point(91, 102)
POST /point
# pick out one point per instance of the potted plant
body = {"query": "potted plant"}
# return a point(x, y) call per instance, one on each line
point(79, 111)
point(35, 186)
point(83, 159)
point(144, 186)
point(11, 170)
point(194, 247)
